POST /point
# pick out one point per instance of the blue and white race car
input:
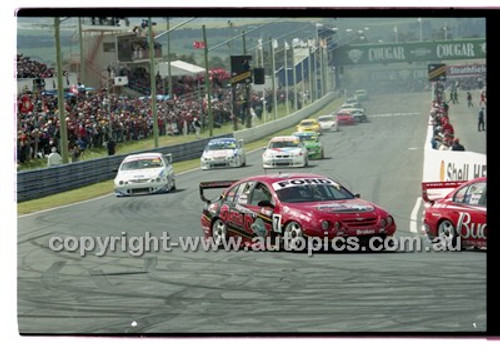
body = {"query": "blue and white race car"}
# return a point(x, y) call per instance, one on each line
point(223, 152)
point(285, 151)
point(145, 173)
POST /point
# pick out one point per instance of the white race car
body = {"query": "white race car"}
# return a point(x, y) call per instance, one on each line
point(223, 152)
point(328, 122)
point(145, 173)
point(285, 151)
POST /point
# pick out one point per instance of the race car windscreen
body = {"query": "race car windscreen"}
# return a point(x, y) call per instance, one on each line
point(309, 138)
point(325, 118)
point(283, 144)
point(223, 145)
point(307, 123)
point(142, 164)
point(313, 193)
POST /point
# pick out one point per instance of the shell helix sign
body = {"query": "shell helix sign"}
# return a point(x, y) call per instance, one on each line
point(451, 171)
point(453, 166)
point(385, 53)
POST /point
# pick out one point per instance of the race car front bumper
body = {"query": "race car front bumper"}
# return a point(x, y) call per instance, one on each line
point(314, 153)
point(219, 163)
point(283, 161)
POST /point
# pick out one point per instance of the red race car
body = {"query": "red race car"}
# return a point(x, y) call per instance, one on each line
point(461, 214)
point(345, 117)
point(291, 207)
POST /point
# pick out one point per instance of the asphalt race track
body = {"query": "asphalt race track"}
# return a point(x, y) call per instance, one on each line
point(176, 292)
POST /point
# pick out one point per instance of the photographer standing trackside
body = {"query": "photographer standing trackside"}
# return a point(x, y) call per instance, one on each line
point(480, 120)
point(197, 127)
point(54, 158)
point(111, 147)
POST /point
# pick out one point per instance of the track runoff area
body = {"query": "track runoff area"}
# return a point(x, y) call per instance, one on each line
point(128, 290)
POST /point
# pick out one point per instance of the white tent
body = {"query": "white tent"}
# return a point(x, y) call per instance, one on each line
point(179, 68)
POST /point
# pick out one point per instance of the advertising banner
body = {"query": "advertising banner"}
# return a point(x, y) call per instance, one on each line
point(466, 70)
point(384, 53)
point(452, 165)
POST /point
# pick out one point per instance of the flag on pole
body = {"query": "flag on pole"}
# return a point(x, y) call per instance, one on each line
point(259, 43)
point(286, 45)
point(275, 44)
point(199, 45)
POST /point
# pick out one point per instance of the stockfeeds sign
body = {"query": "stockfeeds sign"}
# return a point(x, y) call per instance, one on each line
point(466, 70)
point(411, 52)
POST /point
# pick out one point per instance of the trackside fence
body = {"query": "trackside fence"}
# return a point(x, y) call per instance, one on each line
point(38, 183)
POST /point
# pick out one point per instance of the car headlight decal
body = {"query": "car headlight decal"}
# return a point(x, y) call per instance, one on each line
point(390, 220)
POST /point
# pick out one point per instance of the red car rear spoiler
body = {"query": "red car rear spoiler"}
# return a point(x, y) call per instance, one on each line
point(438, 185)
point(214, 185)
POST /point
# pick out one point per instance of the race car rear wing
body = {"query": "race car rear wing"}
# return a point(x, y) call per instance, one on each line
point(214, 185)
point(439, 189)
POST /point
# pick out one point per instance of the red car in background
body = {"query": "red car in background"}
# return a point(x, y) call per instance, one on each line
point(293, 206)
point(345, 117)
point(461, 214)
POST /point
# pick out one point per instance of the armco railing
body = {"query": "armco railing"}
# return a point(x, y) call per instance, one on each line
point(38, 183)
point(268, 128)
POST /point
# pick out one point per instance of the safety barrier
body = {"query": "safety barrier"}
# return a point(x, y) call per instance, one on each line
point(266, 129)
point(38, 183)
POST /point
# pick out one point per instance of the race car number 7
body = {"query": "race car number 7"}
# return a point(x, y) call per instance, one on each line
point(277, 223)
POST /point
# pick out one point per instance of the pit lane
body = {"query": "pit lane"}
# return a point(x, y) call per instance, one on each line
point(266, 292)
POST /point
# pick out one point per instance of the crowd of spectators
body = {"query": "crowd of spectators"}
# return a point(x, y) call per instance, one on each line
point(92, 114)
point(443, 137)
point(466, 83)
point(30, 68)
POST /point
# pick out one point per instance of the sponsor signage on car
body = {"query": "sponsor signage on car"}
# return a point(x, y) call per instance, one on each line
point(305, 181)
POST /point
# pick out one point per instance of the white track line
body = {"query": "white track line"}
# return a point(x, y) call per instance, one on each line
point(414, 215)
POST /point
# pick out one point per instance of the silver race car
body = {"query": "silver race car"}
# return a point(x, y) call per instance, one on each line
point(145, 173)
point(223, 152)
point(285, 151)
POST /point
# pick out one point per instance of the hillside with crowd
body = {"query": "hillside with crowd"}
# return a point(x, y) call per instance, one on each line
point(91, 114)
point(30, 68)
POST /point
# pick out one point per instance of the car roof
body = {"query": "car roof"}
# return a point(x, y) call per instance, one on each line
point(284, 138)
point(146, 155)
point(222, 139)
point(305, 133)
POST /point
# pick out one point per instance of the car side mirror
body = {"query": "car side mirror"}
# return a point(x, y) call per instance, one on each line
point(114, 170)
point(265, 203)
point(357, 196)
point(168, 157)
